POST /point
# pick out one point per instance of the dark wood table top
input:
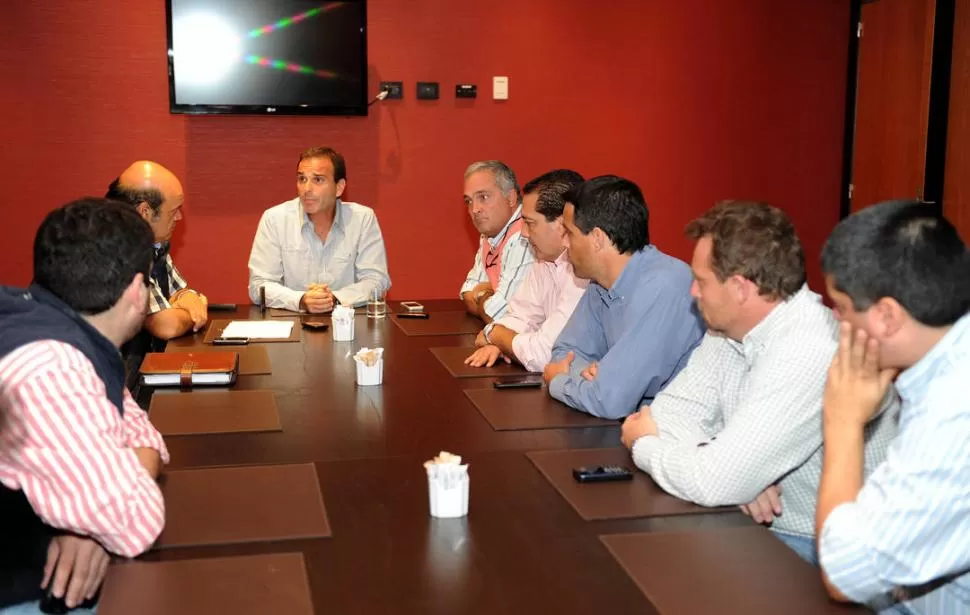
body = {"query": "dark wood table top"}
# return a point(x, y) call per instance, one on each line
point(521, 549)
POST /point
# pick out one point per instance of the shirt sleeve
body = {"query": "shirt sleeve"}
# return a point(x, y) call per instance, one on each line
point(66, 446)
point(644, 357)
point(266, 268)
point(476, 275)
point(533, 348)
point(157, 301)
point(517, 259)
point(583, 334)
point(910, 524)
point(139, 431)
point(370, 268)
point(688, 410)
point(774, 430)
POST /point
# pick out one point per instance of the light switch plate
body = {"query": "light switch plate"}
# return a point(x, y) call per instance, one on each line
point(500, 88)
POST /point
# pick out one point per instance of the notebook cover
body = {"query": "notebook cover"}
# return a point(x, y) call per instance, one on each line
point(157, 363)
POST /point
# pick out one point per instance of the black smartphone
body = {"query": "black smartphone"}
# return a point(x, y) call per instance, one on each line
point(602, 474)
point(519, 382)
point(221, 307)
point(315, 326)
point(230, 341)
point(421, 315)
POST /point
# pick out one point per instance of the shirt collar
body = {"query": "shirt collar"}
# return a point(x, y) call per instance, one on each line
point(765, 330)
point(918, 374)
point(337, 216)
point(630, 276)
point(494, 241)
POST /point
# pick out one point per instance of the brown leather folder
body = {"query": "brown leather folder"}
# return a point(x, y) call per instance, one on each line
point(189, 368)
point(529, 409)
point(253, 359)
point(242, 585)
point(453, 359)
point(439, 323)
point(730, 570)
point(640, 497)
point(218, 506)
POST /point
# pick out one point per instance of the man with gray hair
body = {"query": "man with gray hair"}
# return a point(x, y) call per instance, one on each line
point(503, 258)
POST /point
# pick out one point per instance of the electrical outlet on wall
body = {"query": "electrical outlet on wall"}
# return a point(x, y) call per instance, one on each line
point(394, 89)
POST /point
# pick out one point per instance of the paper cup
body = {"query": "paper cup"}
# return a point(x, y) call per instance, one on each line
point(448, 503)
point(369, 375)
point(343, 330)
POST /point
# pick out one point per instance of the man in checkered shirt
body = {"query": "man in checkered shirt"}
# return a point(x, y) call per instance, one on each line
point(174, 309)
point(742, 422)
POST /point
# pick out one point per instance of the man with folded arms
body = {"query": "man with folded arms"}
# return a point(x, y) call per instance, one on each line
point(174, 309)
point(547, 297)
point(76, 452)
point(503, 258)
point(317, 251)
point(744, 415)
point(899, 276)
point(636, 325)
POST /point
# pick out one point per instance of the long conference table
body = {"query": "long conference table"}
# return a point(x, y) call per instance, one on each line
point(372, 546)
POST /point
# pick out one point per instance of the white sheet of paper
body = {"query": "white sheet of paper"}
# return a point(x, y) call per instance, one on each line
point(259, 329)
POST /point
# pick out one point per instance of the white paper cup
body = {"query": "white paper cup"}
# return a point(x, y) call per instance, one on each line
point(369, 375)
point(448, 503)
point(343, 330)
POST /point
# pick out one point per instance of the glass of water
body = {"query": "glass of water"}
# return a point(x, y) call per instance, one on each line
point(376, 303)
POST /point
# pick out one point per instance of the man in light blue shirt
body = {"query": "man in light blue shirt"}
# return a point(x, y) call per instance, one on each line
point(899, 276)
point(316, 251)
point(636, 325)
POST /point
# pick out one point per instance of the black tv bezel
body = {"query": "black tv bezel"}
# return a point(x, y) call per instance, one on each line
point(208, 109)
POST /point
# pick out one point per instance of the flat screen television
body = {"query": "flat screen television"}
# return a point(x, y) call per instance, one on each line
point(267, 57)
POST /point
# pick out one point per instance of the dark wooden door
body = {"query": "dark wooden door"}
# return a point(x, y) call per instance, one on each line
point(892, 104)
point(956, 201)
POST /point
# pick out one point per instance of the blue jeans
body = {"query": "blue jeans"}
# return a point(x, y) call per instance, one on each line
point(33, 608)
point(804, 546)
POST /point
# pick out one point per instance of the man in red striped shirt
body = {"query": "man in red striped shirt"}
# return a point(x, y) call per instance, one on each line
point(78, 458)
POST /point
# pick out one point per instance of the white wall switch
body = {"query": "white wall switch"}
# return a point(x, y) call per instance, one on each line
point(500, 88)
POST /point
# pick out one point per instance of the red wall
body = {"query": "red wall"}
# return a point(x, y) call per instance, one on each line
point(695, 100)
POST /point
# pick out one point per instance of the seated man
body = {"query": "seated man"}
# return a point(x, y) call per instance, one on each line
point(547, 297)
point(316, 251)
point(76, 452)
point(744, 414)
point(503, 257)
point(636, 325)
point(174, 309)
point(899, 276)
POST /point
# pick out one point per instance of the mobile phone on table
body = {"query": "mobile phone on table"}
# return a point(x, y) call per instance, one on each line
point(230, 341)
point(519, 382)
point(602, 474)
point(314, 325)
point(412, 306)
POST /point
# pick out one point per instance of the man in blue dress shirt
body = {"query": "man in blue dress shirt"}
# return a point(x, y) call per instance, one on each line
point(899, 276)
point(636, 325)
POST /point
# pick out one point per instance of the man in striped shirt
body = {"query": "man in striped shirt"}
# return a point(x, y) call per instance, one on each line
point(78, 458)
point(503, 257)
point(547, 297)
point(899, 540)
